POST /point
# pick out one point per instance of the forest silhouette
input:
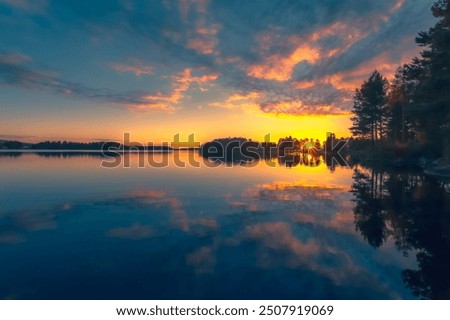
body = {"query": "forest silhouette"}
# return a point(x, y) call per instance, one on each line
point(411, 112)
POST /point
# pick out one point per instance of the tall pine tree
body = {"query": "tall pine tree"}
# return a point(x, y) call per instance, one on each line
point(370, 109)
point(431, 106)
point(400, 98)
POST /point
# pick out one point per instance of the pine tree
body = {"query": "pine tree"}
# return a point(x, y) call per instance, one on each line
point(370, 109)
point(432, 98)
point(400, 99)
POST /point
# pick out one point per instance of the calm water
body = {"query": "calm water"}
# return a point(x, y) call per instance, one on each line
point(70, 229)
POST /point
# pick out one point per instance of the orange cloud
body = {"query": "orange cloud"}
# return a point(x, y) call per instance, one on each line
point(203, 38)
point(204, 41)
point(348, 33)
point(138, 68)
point(278, 236)
point(239, 100)
point(244, 97)
point(384, 63)
point(303, 84)
point(152, 194)
point(244, 205)
point(203, 46)
point(181, 82)
point(150, 106)
point(279, 68)
point(305, 196)
point(298, 107)
point(397, 5)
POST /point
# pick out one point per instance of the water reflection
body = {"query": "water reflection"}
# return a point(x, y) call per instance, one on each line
point(10, 154)
point(303, 159)
point(218, 233)
point(414, 210)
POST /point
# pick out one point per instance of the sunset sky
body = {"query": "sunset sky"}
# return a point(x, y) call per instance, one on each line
point(92, 70)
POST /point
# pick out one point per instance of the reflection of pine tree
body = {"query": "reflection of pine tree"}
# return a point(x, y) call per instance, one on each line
point(398, 206)
point(428, 232)
point(369, 213)
point(414, 210)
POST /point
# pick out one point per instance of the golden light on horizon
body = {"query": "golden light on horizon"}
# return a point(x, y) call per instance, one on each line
point(251, 126)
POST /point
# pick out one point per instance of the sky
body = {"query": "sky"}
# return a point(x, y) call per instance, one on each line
point(94, 70)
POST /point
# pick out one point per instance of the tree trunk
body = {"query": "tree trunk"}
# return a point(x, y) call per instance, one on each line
point(403, 122)
point(372, 136)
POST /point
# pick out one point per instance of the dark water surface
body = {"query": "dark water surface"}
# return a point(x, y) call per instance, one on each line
point(70, 229)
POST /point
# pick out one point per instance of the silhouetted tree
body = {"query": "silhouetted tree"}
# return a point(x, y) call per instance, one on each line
point(431, 108)
point(68, 145)
point(370, 108)
point(13, 144)
point(400, 99)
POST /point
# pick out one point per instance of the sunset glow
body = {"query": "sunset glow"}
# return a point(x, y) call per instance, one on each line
point(204, 67)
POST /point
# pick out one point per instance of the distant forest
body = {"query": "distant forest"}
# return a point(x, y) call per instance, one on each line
point(79, 146)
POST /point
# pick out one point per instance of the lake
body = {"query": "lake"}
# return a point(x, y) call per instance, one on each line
point(72, 229)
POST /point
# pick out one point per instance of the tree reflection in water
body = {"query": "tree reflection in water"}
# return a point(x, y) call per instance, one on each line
point(413, 209)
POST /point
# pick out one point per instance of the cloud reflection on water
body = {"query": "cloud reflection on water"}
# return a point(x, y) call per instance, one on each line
point(301, 228)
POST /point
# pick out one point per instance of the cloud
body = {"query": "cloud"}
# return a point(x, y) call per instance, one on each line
point(298, 107)
point(303, 231)
point(15, 71)
point(15, 224)
point(137, 67)
point(397, 5)
point(203, 260)
point(13, 58)
point(32, 6)
point(307, 98)
point(178, 215)
point(326, 59)
point(279, 236)
point(18, 70)
point(15, 137)
point(246, 101)
point(11, 238)
point(316, 53)
point(204, 39)
point(201, 34)
point(181, 82)
point(279, 68)
point(391, 32)
point(135, 232)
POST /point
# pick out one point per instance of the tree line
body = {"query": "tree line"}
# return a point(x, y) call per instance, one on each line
point(413, 108)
